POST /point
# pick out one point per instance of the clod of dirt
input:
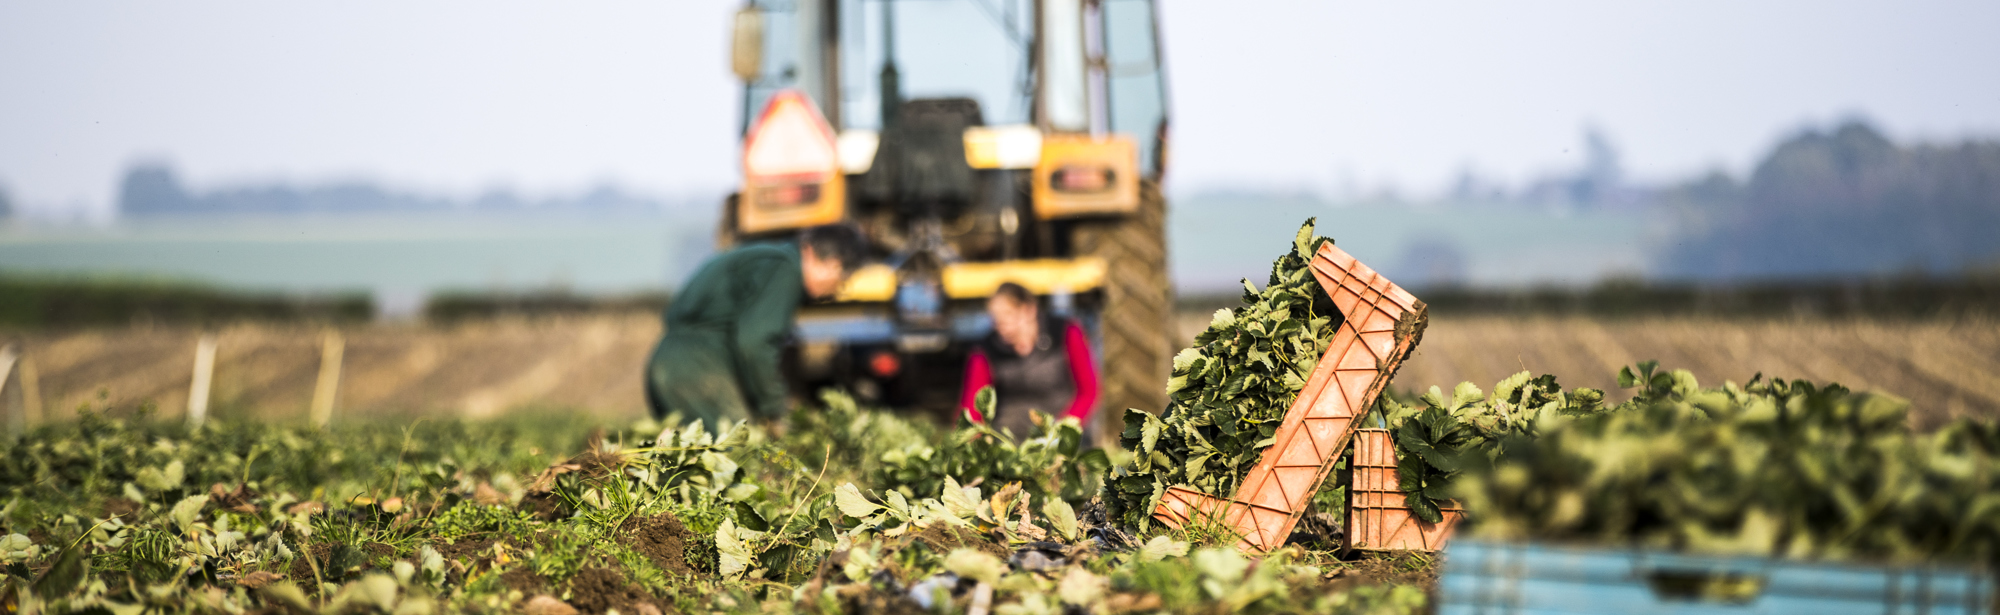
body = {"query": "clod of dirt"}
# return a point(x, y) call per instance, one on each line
point(239, 500)
point(121, 507)
point(662, 538)
point(597, 590)
point(547, 605)
point(544, 505)
point(598, 463)
point(472, 552)
point(524, 580)
point(302, 569)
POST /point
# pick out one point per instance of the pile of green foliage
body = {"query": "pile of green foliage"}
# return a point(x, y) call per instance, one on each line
point(1229, 391)
point(1774, 467)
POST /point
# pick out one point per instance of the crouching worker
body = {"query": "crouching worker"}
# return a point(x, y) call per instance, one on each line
point(1033, 362)
point(725, 329)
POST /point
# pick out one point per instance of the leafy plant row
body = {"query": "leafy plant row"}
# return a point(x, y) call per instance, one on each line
point(1772, 467)
point(857, 511)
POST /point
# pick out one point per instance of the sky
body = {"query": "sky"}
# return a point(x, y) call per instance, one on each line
point(456, 98)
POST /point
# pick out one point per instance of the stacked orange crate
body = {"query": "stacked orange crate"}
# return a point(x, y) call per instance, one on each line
point(1377, 518)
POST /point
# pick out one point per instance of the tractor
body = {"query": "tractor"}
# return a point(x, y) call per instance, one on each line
point(974, 142)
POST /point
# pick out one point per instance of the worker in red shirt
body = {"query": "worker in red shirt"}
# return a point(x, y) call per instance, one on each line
point(1033, 362)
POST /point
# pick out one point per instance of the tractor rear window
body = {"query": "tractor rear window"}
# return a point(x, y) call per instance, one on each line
point(976, 49)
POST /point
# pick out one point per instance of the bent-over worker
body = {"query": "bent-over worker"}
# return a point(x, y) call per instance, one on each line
point(725, 329)
point(1033, 362)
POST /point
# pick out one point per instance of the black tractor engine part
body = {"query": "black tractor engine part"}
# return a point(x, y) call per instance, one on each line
point(920, 167)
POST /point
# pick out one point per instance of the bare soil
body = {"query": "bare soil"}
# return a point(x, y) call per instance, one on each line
point(597, 590)
point(524, 580)
point(121, 507)
point(544, 505)
point(302, 571)
point(661, 538)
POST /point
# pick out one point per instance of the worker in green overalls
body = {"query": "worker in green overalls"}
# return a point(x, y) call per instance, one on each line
point(719, 358)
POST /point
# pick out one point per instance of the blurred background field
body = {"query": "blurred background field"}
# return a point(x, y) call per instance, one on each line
point(589, 361)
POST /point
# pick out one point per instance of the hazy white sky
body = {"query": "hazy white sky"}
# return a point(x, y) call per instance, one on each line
point(457, 97)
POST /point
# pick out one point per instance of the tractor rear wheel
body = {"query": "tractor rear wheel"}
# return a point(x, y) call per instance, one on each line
point(1138, 315)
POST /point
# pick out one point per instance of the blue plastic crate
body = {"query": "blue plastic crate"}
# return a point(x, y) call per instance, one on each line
point(1493, 578)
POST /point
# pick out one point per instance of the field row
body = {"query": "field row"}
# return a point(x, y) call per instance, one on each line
point(1946, 368)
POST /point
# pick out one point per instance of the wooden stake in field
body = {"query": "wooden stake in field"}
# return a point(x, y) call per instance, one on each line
point(329, 378)
point(31, 392)
point(16, 423)
point(204, 370)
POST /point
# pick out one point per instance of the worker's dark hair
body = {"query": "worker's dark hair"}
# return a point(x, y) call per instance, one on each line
point(1017, 292)
point(842, 242)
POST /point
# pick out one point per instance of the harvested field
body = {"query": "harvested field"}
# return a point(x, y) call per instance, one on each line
point(476, 369)
point(1947, 368)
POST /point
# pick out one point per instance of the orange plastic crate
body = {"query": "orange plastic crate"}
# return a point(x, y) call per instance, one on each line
point(1382, 324)
point(1377, 518)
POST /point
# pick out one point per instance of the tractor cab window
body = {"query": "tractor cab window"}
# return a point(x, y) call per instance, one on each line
point(1137, 97)
point(789, 58)
point(912, 49)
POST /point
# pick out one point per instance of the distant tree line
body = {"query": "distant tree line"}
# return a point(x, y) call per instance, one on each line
point(155, 190)
point(456, 306)
point(65, 302)
point(1840, 203)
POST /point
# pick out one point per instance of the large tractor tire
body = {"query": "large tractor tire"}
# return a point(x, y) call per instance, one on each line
point(1138, 317)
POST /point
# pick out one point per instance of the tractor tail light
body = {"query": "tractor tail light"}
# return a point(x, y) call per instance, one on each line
point(791, 168)
point(1081, 178)
point(788, 195)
